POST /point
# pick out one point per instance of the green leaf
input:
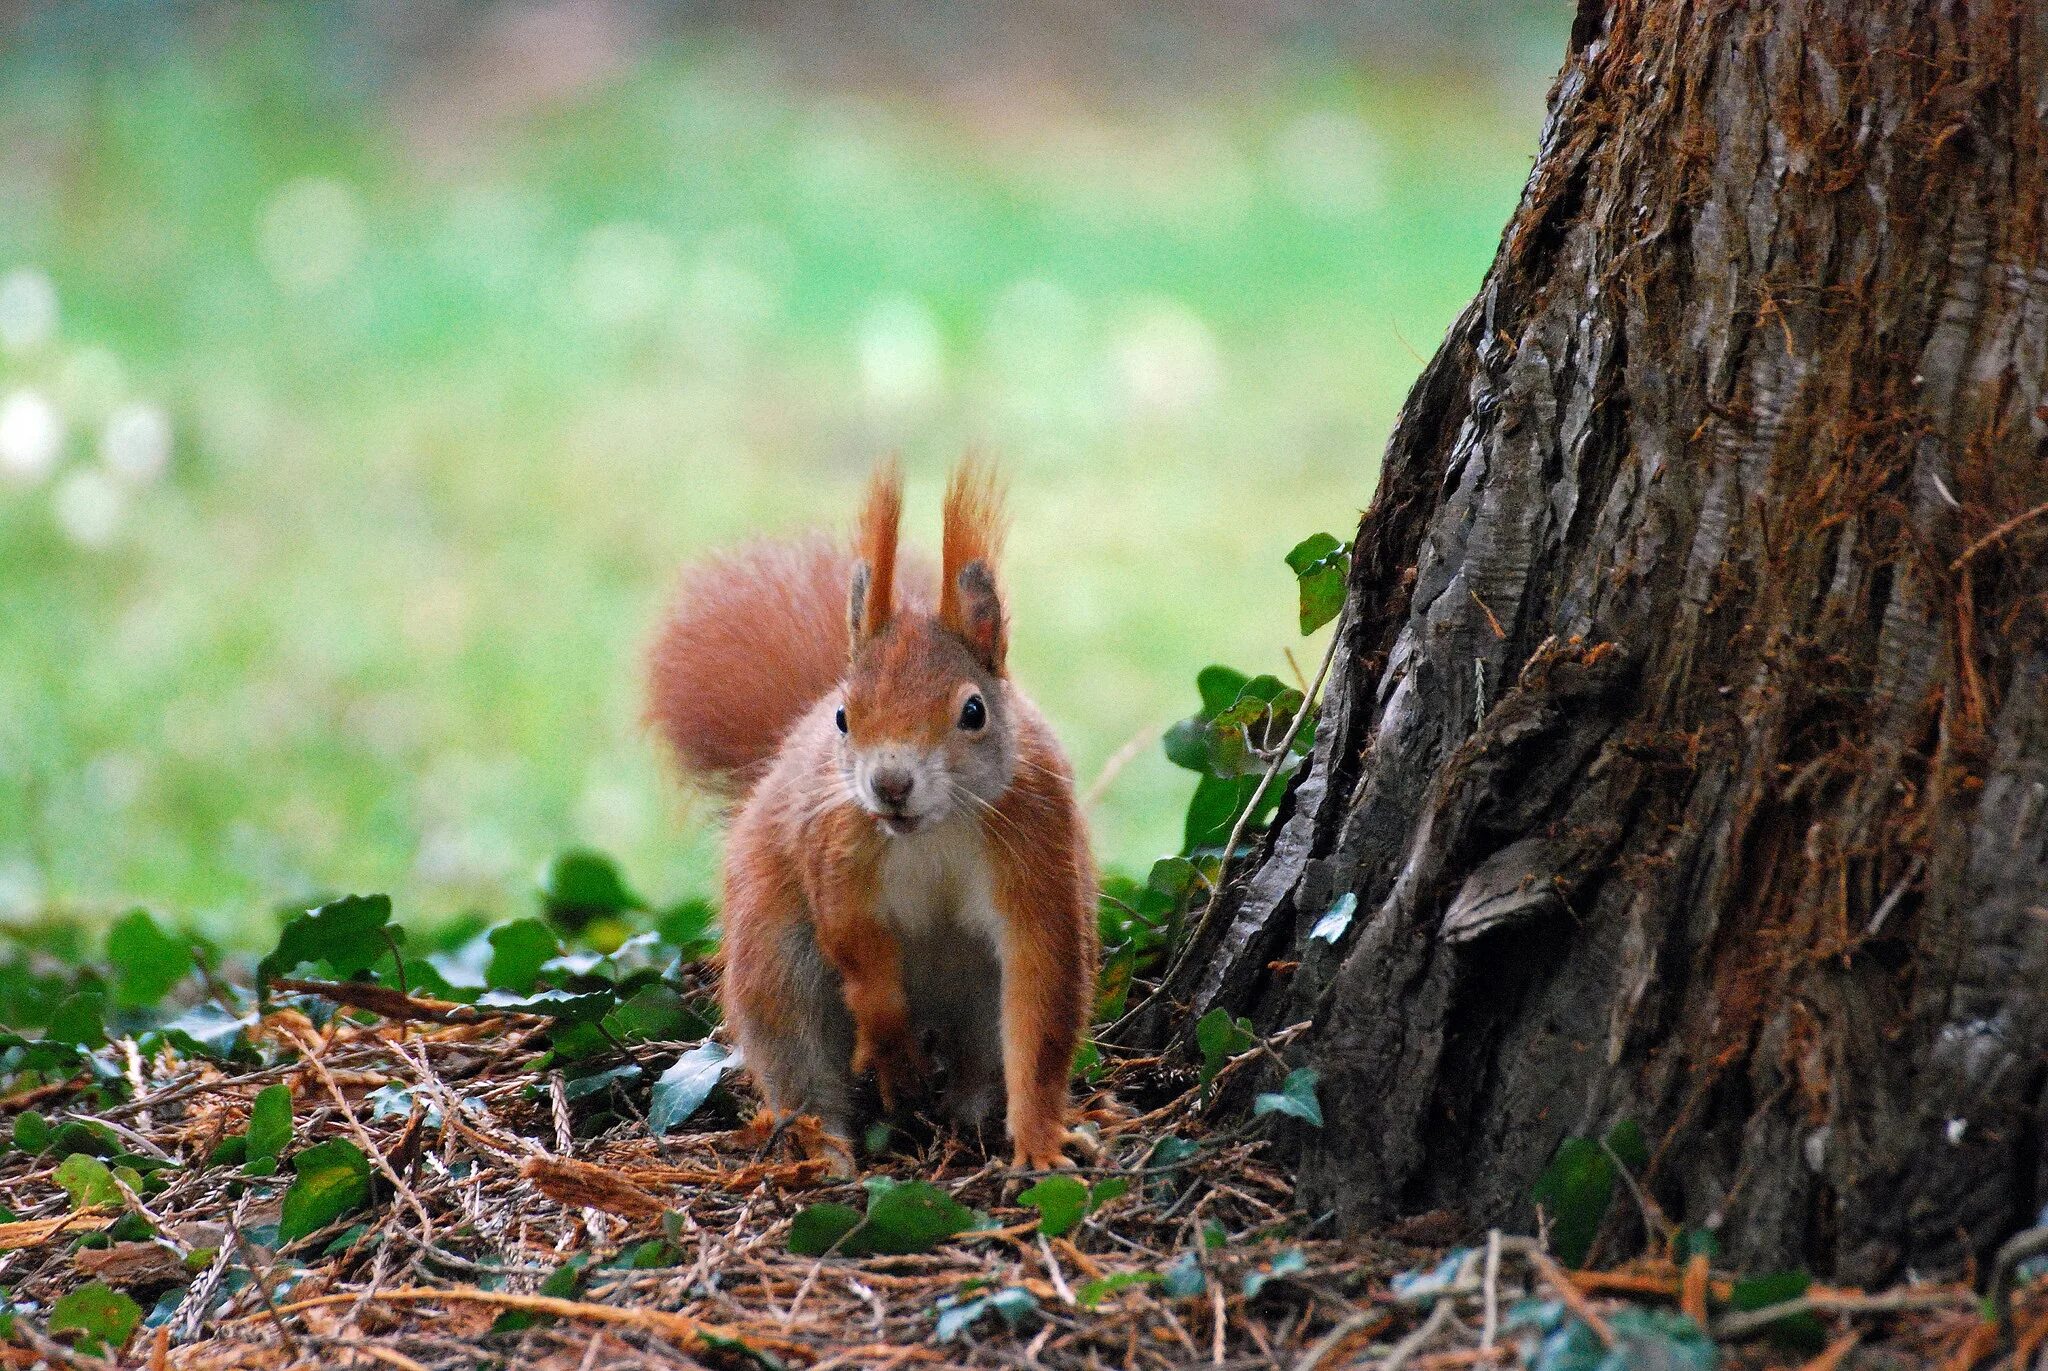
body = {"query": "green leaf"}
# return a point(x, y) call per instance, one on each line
point(518, 951)
point(88, 1181)
point(1625, 1141)
point(580, 886)
point(1220, 1038)
point(206, 1030)
point(333, 1178)
point(349, 935)
point(100, 1315)
point(690, 929)
point(81, 1021)
point(1184, 1279)
point(1060, 1202)
point(1297, 1098)
point(1696, 1242)
point(684, 1087)
point(582, 1087)
point(89, 1136)
point(1644, 1340)
point(31, 1131)
point(565, 1282)
point(958, 1313)
point(914, 1216)
point(1219, 687)
point(1320, 564)
point(1291, 1262)
point(1797, 1332)
point(270, 1129)
point(654, 1013)
point(1330, 928)
point(1574, 1191)
point(820, 1227)
point(1103, 1191)
point(146, 961)
point(1214, 807)
point(1089, 1294)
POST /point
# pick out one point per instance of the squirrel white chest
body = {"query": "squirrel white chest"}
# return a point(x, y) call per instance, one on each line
point(938, 883)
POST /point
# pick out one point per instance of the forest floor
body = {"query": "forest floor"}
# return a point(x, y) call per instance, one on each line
point(486, 1229)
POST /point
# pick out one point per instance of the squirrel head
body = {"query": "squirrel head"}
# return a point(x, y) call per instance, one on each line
point(927, 726)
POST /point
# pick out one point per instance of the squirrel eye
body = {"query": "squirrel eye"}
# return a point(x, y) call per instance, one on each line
point(840, 718)
point(973, 714)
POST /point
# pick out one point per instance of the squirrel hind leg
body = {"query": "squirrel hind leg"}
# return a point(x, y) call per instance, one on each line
point(796, 1034)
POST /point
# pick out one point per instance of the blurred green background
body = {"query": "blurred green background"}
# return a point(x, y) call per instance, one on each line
point(366, 370)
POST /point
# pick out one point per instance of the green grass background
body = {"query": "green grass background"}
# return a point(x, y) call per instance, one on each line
point(451, 395)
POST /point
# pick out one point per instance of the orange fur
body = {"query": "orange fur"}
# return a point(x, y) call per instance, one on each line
point(1046, 896)
point(756, 637)
point(875, 545)
point(973, 532)
point(746, 683)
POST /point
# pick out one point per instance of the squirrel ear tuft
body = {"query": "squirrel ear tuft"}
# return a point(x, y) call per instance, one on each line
point(977, 615)
point(968, 603)
point(857, 600)
point(873, 601)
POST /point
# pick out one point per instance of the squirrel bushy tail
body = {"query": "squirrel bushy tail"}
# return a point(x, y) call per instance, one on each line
point(755, 637)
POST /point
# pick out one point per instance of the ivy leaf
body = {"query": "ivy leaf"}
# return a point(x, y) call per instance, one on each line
point(1220, 1038)
point(206, 1030)
point(561, 1005)
point(1797, 1333)
point(565, 1282)
point(87, 1180)
point(580, 1087)
point(1625, 1141)
point(1297, 1098)
point(653, 1013)
point(821, 1227)
point(1574, 1191)
point(100, 1315)
point(957, 1313)
point(270, 1130)
point(689, 928)
point(914, 1216)
point(1214, 807)
point(1577, 1187)
point(79, 1021)
point(902, 1218)
point(146, 961)
point(1060, 1202)
point(1089, 1294)
point(1320, 565)
point(518, 951)
point(333, 1178)
point(581, 886)
point(1652, 1339)
point(348, 934)
point(1292, 1262)
point(31, 1131)
point(1184, 1279)
point(1330, 928)
point(684, 1087)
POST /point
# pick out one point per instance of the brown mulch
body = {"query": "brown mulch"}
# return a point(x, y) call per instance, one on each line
point(479, 1201)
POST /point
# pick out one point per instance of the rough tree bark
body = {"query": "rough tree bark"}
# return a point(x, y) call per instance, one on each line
point(1687, 745)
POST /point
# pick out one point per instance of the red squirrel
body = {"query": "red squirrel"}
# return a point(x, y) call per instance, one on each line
point(907, 876)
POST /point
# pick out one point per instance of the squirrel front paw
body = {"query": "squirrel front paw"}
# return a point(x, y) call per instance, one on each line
point(899, 1065)
point(1043, 1149)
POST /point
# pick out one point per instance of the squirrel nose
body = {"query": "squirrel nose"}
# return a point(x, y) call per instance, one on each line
point(892, 785)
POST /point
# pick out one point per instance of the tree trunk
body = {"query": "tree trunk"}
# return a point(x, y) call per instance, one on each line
point(1687, 742)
